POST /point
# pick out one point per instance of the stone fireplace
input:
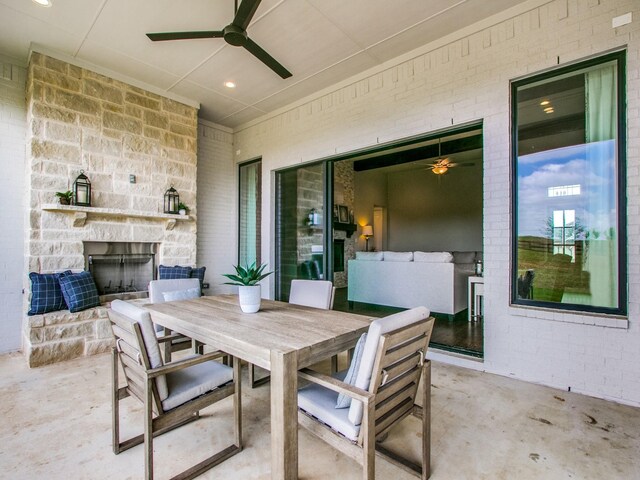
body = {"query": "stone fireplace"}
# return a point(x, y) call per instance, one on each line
point(121, 269)
point(133, 145)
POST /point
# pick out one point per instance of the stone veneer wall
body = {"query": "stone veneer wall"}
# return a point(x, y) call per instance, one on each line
point(343, 176)
point(80, 120)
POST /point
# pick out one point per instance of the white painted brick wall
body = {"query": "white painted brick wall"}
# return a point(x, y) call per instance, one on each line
point(463, 80)
point(217, 245)
point(13, 115)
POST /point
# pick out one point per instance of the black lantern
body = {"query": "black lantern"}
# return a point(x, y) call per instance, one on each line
point(82, 190)
point(171, 200)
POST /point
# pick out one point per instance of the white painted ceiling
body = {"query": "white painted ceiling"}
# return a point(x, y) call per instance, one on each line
point(321, 42)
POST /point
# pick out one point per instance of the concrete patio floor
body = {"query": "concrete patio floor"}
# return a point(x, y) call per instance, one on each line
point(56, 424)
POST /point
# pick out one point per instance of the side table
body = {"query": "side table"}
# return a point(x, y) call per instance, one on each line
point(476, 294)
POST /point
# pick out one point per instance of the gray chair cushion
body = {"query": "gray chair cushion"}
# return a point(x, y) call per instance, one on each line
point(176, 295)
point(187, 384)
point(158, 287)
point(312, 293)
point(135, 314)
point(321, 402)
point(344, 401)
point(378, 328)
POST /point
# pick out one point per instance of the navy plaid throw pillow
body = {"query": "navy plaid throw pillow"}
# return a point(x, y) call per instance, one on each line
point(46, 295)
point(171, 273)
point(79, 291)
point(199, 274)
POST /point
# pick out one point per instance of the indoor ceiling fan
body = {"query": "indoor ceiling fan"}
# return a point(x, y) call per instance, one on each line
point(234, 34)
point(442, 165)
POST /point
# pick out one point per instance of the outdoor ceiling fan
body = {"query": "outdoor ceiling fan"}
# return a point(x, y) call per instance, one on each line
point(442, 165)
point(234, 34)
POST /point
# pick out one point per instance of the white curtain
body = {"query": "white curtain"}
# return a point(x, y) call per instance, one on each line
point(601, 122)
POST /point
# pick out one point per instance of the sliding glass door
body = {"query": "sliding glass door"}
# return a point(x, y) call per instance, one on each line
point(300, 226)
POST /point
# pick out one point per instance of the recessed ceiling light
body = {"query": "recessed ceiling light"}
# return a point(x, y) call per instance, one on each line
point(229, 84)
point(43, 3)
point(545, 102)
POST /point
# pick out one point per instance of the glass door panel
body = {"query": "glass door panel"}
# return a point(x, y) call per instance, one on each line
point(300, 233)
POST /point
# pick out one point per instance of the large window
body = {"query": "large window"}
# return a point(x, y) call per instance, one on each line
point(568, 189)
point(249, 221)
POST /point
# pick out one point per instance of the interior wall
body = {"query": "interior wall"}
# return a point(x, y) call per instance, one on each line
point(435, 213)
point(13, 126)
point(462, 78)
point(370, 191)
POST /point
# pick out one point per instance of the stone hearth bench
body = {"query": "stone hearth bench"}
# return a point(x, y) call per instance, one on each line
point(62, 335)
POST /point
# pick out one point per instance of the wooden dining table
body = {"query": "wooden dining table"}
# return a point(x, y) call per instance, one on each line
point(281, 338)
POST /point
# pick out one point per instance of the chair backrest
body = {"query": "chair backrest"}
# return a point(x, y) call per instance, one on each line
point(138, 347)
point(408, 332)
point(158, 287)
point(312, 293)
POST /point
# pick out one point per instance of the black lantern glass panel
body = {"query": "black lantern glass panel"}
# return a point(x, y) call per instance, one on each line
point(82, 190)
point(171, 200)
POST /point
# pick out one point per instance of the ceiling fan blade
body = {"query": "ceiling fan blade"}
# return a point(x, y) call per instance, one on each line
point(160, 37)
point(265, 58)
point(245, 13)
point(468, 164)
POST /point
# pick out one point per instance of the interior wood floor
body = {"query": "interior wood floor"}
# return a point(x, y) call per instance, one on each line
point(452, 334)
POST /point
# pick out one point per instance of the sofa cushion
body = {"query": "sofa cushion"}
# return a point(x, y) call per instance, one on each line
point(398, 256)
point(79, 291)
point(46, 294)
point(169, 273)
point(373, 256)
point(433, 257)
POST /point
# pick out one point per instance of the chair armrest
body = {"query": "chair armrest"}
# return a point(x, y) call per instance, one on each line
point(182, 364)
point(168, 338)
point(336, 385)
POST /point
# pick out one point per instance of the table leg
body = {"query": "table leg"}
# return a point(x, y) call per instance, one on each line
point(284, 416)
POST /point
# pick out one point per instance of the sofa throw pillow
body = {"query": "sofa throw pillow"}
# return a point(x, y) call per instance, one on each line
point(199, 274)
point(398, 256)
point(373, 256)
point(433, 257)
point(46, 295)
point(344, 401)
point(187, 294)
point(169, 273)
point(79, 291)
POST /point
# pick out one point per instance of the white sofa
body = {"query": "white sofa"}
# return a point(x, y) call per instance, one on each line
point(434, 280)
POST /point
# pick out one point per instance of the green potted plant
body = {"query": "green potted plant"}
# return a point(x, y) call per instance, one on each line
point(182, 209)
point(247, 279)
point(65, 197)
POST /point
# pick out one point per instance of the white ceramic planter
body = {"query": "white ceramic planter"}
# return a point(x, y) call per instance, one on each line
point(250, 298)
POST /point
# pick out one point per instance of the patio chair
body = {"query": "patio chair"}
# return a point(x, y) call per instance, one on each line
point(386, 370)
point(308, 293)
point(157, 290)
point(172, 393)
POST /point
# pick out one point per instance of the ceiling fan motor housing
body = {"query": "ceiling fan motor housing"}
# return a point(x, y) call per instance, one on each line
point(234, 35)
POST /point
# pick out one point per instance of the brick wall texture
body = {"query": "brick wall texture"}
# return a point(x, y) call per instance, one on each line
point(13, 118)
point(466, 78)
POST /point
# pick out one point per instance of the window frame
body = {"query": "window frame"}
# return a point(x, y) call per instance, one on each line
point(621, 133)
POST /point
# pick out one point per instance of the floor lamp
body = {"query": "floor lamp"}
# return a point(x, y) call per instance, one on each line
point(367, 231)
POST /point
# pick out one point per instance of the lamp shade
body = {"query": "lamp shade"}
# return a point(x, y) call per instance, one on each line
point(367, 231)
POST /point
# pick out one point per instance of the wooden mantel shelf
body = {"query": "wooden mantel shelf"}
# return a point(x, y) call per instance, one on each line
point(80, 214)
